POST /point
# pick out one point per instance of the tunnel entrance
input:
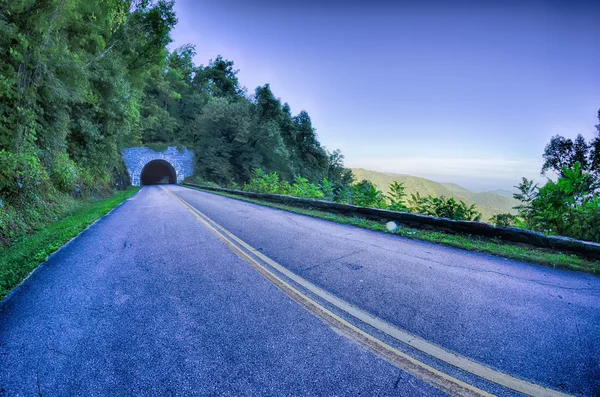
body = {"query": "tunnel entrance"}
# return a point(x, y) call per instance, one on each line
point(158, 172)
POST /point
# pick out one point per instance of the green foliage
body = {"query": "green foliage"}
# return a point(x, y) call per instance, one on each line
point(362, 194)
point(562, 153)
point(72, 76)
point(22, 178)
point(504, 220)
point(327, 189)
point(205, 108)
point(562, 207)
point(64, 173)
point(344, 195)
point(488, 203)
point(528, 193)
point(568, 207)
point(443, 207)
point(262, 182)
point(365, 194)
point(584, 220)
point(396, 196)
point(302, 188)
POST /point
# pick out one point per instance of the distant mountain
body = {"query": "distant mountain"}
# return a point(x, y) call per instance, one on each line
point(488, 203)
point(502, 192)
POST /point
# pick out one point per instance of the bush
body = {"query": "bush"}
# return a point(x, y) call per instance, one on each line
point(344, 195)
point(327, 189)
point(22, 177)
point(301, 188)
point(365, 194)
point(64, 173)
point(504, 220)
point(203, 182)
point(396, 197)
point(443, 207)
point(568, 207)
point(262, 182)
point(584, 220)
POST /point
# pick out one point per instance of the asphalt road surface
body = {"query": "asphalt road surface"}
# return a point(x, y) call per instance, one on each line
point(149, 301)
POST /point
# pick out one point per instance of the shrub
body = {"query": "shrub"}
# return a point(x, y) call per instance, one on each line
point(584, 220)
point(344, 195)
point(568, 207)
point(327, 189)
point(64, 173)
point(301, 188)
point(22, 178)
point(504, 220)
point(443, 207)
point(365, 194)
point(396, 197)
point(262, 182)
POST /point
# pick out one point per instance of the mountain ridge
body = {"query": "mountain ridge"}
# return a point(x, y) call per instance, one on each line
point(488, 203)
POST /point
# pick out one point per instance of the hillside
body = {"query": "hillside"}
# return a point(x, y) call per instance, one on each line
point(488, 203)
point(502, 192)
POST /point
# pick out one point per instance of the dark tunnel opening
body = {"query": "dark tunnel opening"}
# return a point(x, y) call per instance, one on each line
point(158, 172)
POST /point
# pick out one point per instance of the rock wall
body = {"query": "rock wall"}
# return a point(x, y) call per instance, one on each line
point(136, 158)
point(536, 239)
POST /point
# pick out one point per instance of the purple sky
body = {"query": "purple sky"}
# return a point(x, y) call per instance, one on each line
point(466, 94)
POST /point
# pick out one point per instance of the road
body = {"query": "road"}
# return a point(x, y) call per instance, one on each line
point(151, 301)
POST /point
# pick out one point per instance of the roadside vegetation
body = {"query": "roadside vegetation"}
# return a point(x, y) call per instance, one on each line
point(496, 247)
point(488, 203)
point(363, 194)
point(82, 80)
point(568, 205)
point(26, 253)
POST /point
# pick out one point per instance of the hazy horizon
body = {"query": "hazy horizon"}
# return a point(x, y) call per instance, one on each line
point(468, 94)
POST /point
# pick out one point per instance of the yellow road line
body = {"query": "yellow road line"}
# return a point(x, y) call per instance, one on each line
point(424, 372)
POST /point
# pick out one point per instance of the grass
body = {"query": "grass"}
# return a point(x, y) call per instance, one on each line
point(26, 253)
point(496, 247)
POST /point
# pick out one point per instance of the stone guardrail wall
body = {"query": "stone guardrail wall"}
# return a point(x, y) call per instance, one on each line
point(511, 234)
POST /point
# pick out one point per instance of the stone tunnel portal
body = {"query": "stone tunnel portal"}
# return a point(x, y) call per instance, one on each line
point(158, 172)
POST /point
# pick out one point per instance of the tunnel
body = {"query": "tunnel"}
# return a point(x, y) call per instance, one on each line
point(158, 172)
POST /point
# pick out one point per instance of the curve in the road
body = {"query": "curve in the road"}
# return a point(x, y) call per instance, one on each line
point(421, 370)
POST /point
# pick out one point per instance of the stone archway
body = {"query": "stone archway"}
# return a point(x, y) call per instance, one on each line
point(181, 161)
point(158, 172)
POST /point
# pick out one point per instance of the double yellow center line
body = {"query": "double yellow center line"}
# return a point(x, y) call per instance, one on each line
point(422, 371)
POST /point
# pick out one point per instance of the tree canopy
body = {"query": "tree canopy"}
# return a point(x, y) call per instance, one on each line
point(82, 80)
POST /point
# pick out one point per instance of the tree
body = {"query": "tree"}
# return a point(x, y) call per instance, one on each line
point(556, 203)
point(219, 78)
point(594, 157)
point(72, 73)
point(313, 157)
point(562, 153)
point(528, 193)
point(336, 172)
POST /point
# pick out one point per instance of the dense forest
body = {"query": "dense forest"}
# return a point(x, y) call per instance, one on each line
point(81, 80)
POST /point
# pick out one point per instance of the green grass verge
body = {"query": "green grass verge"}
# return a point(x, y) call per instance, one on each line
point(496, 247)
point(25, 254)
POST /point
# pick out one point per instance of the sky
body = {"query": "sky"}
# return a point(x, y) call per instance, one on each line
point(468, 93)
